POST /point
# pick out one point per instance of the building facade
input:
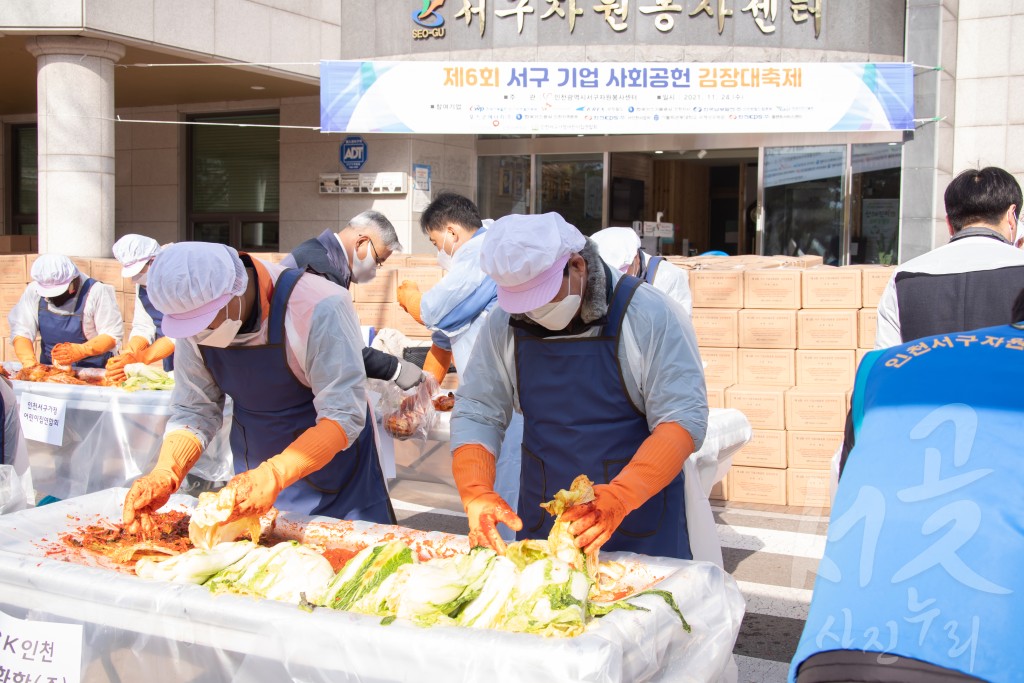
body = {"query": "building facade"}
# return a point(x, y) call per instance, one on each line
point(199, 119)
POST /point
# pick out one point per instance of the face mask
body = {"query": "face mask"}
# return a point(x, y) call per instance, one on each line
point(363, 269)
point(60, 299)
point(558, 314)
point(225, 332)
point(140, 279)
point(444, 259)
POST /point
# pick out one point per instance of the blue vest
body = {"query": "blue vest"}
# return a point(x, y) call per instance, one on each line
point(652, 269)
point(578, 418)
point(57, 328)
point(926, 541)
point(272, 408)
point(158, 320)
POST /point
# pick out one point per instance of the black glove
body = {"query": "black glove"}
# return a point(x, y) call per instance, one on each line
point(409, 375)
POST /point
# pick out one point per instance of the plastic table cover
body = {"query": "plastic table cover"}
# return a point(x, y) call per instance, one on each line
point(134, 629)
point(111, 436)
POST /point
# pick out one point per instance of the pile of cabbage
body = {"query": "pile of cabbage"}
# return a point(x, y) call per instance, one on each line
point(533, 588)
point(143, 377)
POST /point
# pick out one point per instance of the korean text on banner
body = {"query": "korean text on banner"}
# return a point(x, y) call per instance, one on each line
point(614, 97)
point(42, 418)
point(40, 651)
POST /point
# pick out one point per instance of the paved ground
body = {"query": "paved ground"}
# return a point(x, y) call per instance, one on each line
point(771, 552)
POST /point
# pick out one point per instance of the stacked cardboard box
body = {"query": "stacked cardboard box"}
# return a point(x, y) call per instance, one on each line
point(781, 340)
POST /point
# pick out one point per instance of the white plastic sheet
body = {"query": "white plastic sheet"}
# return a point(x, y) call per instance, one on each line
point(111, 436)
point(153, 631)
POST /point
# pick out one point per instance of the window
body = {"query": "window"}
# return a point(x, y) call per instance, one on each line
point(233, 181)
point(24, 180)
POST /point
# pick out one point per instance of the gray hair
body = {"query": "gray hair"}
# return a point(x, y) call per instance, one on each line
point(380, 223)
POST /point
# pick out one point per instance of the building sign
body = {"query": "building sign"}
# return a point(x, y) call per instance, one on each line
point(614, 97)
point(353, 152)
point(618, 15)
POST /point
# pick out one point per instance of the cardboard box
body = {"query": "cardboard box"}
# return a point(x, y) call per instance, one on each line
point(867, 324)
point(717, 288)
point(767, 367)
point(18, 244)
point(716, 395)
point(812, 450)
point(424, 277)
point(12, 270)
point(814, 409)
point(757, 485)
point(419, 261)
point(8, 349)
point(717, 327)
point(382, 289)
point(809, 488)
point(772, 288)
point(764, 406)
point(766, 448)
point(873, 280)
point(826, 329)
point(451, 381)
point(721, 366)
point(127, 300)
point(374, 315)
point(808, 260)
point(831, 287)
point(720, 491)
point(405, 323)
point(107, 271)
point(5, 327)
point(767, 329)
point(861, 353)
point(84, 265)
point(833, 369)
point(9, 296)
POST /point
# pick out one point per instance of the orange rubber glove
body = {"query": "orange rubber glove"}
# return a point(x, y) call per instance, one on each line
point(657, 462)
point(136, 345)
point(257, 489)
point(129, 354)
point(437, 362)
point(473, 469)
point(158, 350)
point(409, 296)
point(25, 351)
point(67, 353)
point(178, 453)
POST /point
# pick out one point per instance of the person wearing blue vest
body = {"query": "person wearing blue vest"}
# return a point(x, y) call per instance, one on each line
point(146, 343)
point(608, 379)
point(620, 249)
point(76, 317)
point(285, 345)
point(921, 578)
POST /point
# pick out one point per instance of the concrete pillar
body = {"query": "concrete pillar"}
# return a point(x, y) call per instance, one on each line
point(75, 105)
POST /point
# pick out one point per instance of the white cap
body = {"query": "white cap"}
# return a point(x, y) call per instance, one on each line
point(618, 246)
point(190, 281)
point(134, 252)
point(525, 255)
point(53, 273)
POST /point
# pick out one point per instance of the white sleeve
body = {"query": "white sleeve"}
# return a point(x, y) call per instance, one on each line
point(887, 332)
point(486, 390)
point(334, 365)
point(142, 323)
point(102, 314)
point(24, 317)
point(675, 282)
point(197, 402)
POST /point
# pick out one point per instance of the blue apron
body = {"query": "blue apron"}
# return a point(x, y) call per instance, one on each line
point(652, 269)
point(272, 408)
point(57, 328)
point(586, 423)
point(158, 320)
point(926, 540)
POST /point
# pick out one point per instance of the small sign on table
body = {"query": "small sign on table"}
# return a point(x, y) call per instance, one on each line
point(42, 418)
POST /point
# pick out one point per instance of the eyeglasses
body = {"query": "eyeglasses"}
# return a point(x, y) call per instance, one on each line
point(376, 259)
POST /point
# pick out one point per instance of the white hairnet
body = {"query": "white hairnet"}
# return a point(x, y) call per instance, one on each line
point(134, 252)
point(618, 246)
point(190, 277)
point(53, 273)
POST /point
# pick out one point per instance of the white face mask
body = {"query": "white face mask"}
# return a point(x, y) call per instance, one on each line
point(140, 279)
point(363, 269)
point(444, 259)
point(558, 314)
point(226, 332)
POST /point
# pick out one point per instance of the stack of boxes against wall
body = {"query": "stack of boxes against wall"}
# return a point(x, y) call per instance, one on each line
point(782, 338)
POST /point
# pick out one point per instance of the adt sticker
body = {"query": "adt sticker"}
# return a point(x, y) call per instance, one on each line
point(42, 418)
point(353, 152)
